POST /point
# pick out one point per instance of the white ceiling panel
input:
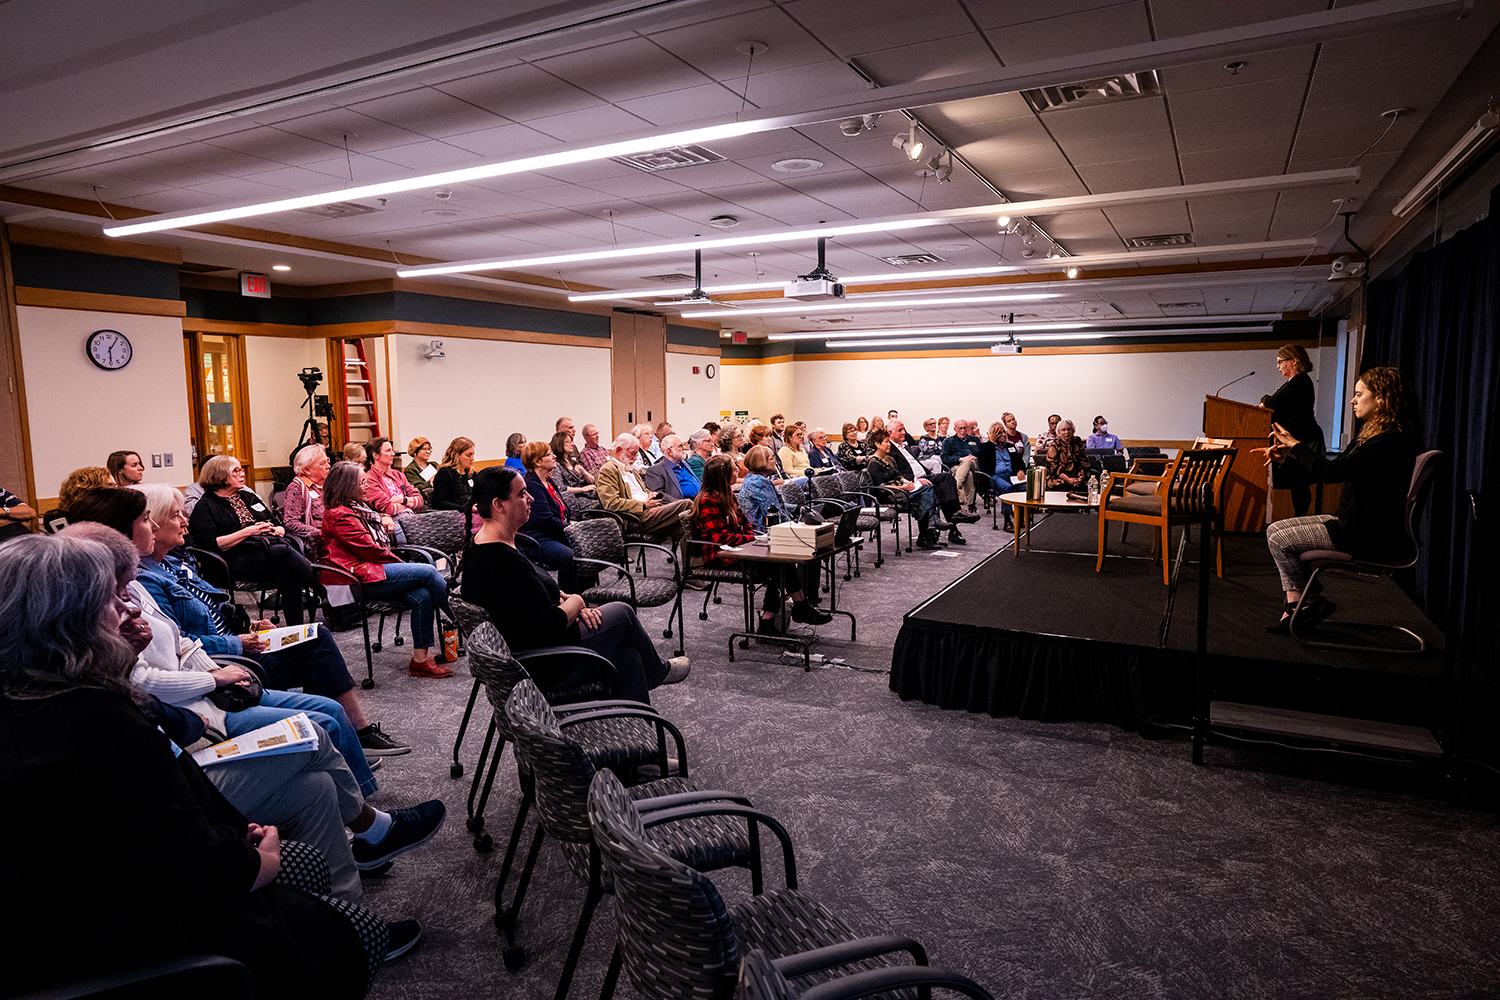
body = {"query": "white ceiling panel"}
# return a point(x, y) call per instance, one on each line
point(1150, 220)
point(503, 141)
point(1174, 18)
point(929, 60)
point(999, 158)
point(1246, 100)
point(1277, 64)
point(588, 125)
point(1129, 175)
point(365, 134)
point(791, 86)
point(1001, 107)
point(520, 92)
point(430, 156)
point(679, 106)
point(1060, 182)
point(709, 44)
point(1138, 146)
point(429, 112)
point(879, 24)
point(1209, 136)
point(1124, 118)
point(999, 13)
point(1067, 34)
point(653, 70)
point(1232, 164)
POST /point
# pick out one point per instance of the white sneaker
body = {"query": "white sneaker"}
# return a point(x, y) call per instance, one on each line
point(677, 670)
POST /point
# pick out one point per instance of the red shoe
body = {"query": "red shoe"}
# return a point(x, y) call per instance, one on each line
point(427, 668)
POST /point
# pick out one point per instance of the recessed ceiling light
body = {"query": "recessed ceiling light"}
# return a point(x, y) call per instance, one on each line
point(281, 267)
point(797, 165)
point(952, 247)
point(724, 222)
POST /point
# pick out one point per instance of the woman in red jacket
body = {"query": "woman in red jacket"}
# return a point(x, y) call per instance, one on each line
point(355, 541)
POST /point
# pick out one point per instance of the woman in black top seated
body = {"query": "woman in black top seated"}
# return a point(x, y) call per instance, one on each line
point(116, 853)
point(454, 481)
point(1376, 472)
point(531, 611)
point(1292, 407)
point(234, 522)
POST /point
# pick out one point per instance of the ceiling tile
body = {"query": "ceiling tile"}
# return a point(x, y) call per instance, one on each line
point(1132, 221)
point(976, 111)
point(503, 142)
point(1086, 31)
point(590, 124)
point(1026, 131)
point(1230, 164)
point(681, 106)
point(800, 85)
point(428, 112)
point(1416, 83)
point(930, 60)
point(277, 144)
point(430, 156)
point(1061, 182)
point(1139, 146)
point(1260, 131)
point(1226, 218)
point(1175, 18)
point(653, 70)
point(1278, 64)
point(520, 92)
point(1130, 175)
point(998, 159)
point(709, 45)
point(1000, 13)
point(879, 24)
point(1246, 100)
point(365, 134)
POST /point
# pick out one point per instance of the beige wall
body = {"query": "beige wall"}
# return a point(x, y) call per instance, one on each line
point(276, 394)
point(78, 413)
point(692, 400)
point(487, 389)
point(1151, 396)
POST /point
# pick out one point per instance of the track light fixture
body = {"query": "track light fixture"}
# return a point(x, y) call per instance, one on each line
point(943, 171)
point(909, 143)
point(1072, 272)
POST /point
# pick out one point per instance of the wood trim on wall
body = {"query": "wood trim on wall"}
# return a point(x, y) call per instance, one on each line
point(85, 243)
point(484, 333)
point(707, 352)
point(244, 329)
point(52, 298)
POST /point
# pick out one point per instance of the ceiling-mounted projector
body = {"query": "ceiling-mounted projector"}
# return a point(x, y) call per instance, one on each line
point(1006, 349)
point(804, 289)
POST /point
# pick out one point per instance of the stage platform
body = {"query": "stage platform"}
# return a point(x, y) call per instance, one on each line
point(1045, 637)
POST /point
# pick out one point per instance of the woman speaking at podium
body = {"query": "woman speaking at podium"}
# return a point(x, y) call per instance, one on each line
point(1292, 407)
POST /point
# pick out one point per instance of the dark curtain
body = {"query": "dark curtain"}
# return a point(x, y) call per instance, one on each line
point(1436, 320)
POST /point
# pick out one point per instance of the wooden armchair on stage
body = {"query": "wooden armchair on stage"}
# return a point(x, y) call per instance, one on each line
point(1176, 497)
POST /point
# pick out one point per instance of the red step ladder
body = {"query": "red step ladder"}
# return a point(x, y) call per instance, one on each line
point(361, 419)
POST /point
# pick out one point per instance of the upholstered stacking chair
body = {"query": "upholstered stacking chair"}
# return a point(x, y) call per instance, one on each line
point(695, 569)
point(874, 510)
point(468, 618)
point(1324, 560)
point(443, 534)
point(676, 938)
point(760, 979)
point(1176, 498)
point(599, 546)
point(363, 608)
point(624, 743)
point(687, 823)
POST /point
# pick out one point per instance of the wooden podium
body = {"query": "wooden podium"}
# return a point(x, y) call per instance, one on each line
point(1248, 426)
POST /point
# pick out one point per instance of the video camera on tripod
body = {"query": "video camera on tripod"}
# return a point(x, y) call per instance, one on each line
point(316, 406)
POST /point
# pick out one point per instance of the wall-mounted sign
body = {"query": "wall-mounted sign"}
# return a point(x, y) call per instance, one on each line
point(738, 337)
point(256, 286)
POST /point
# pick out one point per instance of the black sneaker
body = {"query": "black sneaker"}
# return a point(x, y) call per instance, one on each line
point(377, 744)
point(404, 937)
point(768, 626)
point(955, 538)
point(1315, 612)
point(927, 540)
point(962, 518)
point(411, 827)
point(805, 614)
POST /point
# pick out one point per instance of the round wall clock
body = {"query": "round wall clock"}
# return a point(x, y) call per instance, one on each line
point(108, 349)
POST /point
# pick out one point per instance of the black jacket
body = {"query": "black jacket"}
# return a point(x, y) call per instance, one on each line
point(1292, 408)
point(658, 477)
point(451, 491)
point(546, 517)
point(1377, 478)
point(213, 518)
point(520, 599)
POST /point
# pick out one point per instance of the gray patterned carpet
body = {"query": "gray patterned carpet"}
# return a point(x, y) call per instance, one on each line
point(1044, 860)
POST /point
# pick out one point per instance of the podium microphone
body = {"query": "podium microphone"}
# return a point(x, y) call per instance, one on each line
point(1226, 385)
point(810, 516)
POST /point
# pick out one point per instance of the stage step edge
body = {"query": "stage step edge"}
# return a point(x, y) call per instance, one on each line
point(1331, 728)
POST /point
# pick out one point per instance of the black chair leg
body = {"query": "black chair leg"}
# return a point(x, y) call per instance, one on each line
point(611, 976)
point(506, 918)
point(516, 830)
point(590, 902)
point(456, 769)
point(369, 681)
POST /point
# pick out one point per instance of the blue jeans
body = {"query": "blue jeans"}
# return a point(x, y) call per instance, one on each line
point(422, 588)
point(277, 705)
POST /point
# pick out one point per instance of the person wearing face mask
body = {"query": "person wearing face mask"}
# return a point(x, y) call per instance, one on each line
point(1102, 438)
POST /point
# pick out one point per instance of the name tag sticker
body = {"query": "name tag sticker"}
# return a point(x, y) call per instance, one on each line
point(312, 494)
point(258, 506)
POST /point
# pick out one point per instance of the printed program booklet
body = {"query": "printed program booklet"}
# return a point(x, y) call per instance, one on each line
point(290, 635)
point(285, 736)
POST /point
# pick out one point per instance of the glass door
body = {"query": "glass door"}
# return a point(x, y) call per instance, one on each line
point(216, 387)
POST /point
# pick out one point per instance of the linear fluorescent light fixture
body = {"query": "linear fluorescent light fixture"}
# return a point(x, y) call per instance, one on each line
point(845, 305)
point(1453, 162)
point(903, 223)
point(1005, 328)
point(1041, 337)
point(1092, 260)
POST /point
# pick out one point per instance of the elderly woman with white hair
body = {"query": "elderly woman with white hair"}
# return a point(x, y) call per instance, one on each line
point(302, 507)
point(234, 522)
point(127, 854)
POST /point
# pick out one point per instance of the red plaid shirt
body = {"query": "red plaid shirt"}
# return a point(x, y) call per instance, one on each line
point(723, 527)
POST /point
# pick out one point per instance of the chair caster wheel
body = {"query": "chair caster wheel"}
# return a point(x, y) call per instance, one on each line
point(666, 633)
point(399, 640)
point(514, 957)
point(484, 844)
point(376, 647)
point(718, 600)
point(456, 771)
point(702, 617)
point(367, 684)
point(744, 643)
point(474, 824)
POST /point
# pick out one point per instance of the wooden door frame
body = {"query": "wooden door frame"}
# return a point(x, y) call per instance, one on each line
point(192, 341)
point(16, 417)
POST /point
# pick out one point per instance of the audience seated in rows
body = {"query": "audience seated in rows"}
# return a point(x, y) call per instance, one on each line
point(513, 446)
point(852, 452)
point(234, 522)
point(532, 611)
point(356, 541)
point(1067, 461)
point(15, 515)
point(672, 477)
point(819, 454)
point(311, 796)
point(592, 455)
point(548, 515)
point(455, 478)
point(700, 448)
point(960, 456)
point(200, 877)
point(893, 466)
point(206, 615)
point(354, 452)
point(1101, 438)
point(622, 490)
point(793, 456)
point(573, 482)
point(386, 488)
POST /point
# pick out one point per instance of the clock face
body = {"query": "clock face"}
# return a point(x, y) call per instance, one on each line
point(109, 349)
